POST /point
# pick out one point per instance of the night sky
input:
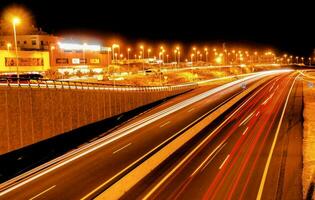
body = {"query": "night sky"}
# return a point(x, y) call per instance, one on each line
point(286, 26)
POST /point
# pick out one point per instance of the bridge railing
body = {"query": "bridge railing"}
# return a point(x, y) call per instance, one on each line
point(61, 84)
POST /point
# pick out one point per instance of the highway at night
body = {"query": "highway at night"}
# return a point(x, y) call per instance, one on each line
point(174, 100)
point(231, 160)
point(88, 171)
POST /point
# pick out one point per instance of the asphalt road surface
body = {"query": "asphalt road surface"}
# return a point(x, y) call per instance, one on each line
point(244, 156)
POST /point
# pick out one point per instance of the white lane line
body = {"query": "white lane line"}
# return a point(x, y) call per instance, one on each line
point(263, 179)
point(122, 148)
point(191, 110)
point(227, 157)
point(214, 152)
point(165, 124)
point(246, 119)
point(245, 131)
point(266, 101)
point(257, 113)
point(34, 197)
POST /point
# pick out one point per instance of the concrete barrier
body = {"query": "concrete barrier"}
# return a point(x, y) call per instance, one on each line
point(32, 113)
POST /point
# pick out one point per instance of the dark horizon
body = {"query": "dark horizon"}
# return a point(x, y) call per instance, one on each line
point(287, 28)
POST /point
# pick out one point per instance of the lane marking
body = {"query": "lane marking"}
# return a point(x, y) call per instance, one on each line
point(266, 101)
point(263, 180)
point(165, 124)
point(246, 119)
point(191, 110)
point(34, 197)
point(122, 148)
point(245, 131)
point(227, 157)
point(214, 152)
point(257, 113)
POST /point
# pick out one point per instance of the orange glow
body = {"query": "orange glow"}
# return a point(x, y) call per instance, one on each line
point(218, 60)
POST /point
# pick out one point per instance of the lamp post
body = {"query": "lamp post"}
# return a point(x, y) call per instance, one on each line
point(142, 54)
point(175, 60)
point(9, 46)
point(52, 48)
point(128, 52)
point(84, 49)
point(16, 21)
point(178, 58)
point(195, 53)
point(206, 53)
point(149, 51)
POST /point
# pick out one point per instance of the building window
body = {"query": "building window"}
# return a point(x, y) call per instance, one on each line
point(33, 42)
point(42, 42)
point(18, 42)
point(25, 42)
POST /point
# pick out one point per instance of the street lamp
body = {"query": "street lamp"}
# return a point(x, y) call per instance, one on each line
point(206, 52)
point(194, 49)
point(142, 54)
point(115, 58)
point(15, 22)
point(9, 46)
point(149, 51)
point(128, 51)
point(84, 49)
point(113, 52)
point(178, 57)
point(52, 48)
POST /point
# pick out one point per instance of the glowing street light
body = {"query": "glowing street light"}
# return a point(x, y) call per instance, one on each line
point(195, 52)
point(16, 21)
point(9, 46)
point(52, 48)
point(116, 58)
point(218, 60)
point(113, 52)
point(192, 57)
point(149, 51)
point(128, 52)
point(142, 54)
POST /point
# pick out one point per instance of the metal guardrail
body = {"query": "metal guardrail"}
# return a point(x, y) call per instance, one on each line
point(47, 83)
